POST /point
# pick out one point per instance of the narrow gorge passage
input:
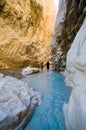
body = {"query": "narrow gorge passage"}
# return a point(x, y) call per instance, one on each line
point(49, 115)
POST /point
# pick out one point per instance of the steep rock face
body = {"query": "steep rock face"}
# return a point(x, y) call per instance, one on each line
point(24, 32)
point(75, 110)
point(70, 16)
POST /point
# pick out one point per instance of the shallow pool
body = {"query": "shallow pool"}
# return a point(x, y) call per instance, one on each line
point(49, 115)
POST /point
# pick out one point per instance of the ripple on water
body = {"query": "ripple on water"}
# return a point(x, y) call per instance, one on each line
point(49, 115)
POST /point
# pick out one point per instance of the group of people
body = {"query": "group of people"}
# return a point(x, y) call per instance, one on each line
point(47, 65)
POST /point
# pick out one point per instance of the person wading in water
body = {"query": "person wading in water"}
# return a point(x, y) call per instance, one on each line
point(48, 65)
point(42, 66)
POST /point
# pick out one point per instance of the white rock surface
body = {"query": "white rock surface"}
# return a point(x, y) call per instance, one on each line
point(59, 19)
point(16, 100)
point(29, 70)
point(1, 76)
point(75, 110)
point(61, 14)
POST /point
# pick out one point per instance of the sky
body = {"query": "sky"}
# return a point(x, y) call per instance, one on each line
point(56, 2)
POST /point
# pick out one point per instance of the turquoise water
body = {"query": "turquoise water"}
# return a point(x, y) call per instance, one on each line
point(49, 115)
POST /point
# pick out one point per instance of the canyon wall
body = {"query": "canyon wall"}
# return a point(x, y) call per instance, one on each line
point(75, 110)
point(26, 30)
point(70, 41)
point(71, 14)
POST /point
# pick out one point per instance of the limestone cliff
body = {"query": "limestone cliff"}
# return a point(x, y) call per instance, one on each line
point(26, 30)
point(71, 14)
point(70, 36)
point(75, 110)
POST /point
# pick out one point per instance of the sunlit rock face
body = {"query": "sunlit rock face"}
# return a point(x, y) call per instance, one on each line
point(26, 29)
point(71, 14)
point(75, 110)
point(17, 103)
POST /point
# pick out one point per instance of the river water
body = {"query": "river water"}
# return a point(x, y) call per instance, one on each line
point(49, 115)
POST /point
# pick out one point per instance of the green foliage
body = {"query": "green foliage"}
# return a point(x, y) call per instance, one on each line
point(36, 13)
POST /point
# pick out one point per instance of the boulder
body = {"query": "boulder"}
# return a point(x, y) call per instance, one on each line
point(17, 103)
point(29, 70)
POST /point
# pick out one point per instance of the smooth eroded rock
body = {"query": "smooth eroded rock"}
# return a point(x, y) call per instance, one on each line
point(17, 103)
point(75, 110)
point(29, 70)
